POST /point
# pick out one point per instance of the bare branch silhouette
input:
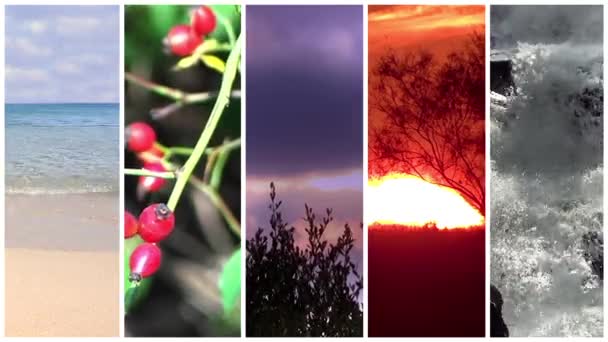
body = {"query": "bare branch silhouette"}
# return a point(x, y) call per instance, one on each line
point(433, 118)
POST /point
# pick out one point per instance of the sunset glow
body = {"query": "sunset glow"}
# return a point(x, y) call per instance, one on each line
point(410, 201)
point(429, 17)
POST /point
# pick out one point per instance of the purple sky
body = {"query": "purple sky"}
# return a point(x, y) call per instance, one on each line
point(305, 112)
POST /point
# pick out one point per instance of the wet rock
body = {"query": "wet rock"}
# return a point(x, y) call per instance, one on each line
point(498, 327)
point(593, 246)
point(501, 74)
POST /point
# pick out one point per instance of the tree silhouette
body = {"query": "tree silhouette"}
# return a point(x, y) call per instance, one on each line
point(432, 114)
point(302, 291)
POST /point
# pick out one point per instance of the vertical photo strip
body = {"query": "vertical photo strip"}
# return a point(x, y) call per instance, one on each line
point(304, 263)
point(425, 197)
point(182, 231)
point(547, 171)
point(62, 127)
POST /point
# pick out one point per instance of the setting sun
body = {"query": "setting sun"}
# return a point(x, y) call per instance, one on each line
point(410, 201)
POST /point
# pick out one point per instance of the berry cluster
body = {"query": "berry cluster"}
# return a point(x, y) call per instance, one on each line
point(156, 221)
point(141, 139)
point(183, 39)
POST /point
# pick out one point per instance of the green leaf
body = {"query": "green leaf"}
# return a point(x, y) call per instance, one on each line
point(186, 62)
point(230, 283)
point(214, 62)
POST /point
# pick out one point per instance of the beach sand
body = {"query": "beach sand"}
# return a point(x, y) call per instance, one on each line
point(62, 273)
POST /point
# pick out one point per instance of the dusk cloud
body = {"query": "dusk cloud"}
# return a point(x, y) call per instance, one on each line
point(304, 88)
point(305, 115)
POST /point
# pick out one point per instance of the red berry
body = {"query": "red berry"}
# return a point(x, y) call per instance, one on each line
point(145, 261)
point(131, 225)
point(156, 222)
point(203, 20)
point(149, 183)
point(140, 137)
point(182, 40)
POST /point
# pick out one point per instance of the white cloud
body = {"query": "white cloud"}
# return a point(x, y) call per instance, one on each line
point(75, 64)
point(27, 47)
point(35, 26)
point(107, 96)
point(30, 94)
point(67, 68)
point(90, 59)
point(23, 74)
point(77, 25)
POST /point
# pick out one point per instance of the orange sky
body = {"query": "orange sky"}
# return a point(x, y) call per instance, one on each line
point(430, 27)
point(440, 29)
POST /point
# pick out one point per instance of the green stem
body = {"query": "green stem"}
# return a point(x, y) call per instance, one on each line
point(147, 173)
point(183, 151)
point(130, 295)
point(186, 151)
point(220, 48)
point(159, 89)
point(175, 94)
point(218, 169)
point(220, 162)
point(161, 147)
point(229, 146)
point(222, 102)
point(219, 203)
point(229, 29)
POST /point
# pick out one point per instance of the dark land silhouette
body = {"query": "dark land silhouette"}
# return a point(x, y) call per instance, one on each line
point(426, 282)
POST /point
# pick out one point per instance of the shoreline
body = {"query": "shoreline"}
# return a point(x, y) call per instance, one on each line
point(70, 222)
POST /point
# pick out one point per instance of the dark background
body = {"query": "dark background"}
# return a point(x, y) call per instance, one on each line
point(426, 283)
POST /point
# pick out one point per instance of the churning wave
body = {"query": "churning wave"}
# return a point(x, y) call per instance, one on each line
point(547, 180)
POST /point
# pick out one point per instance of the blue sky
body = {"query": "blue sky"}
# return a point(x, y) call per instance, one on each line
point(62, 54)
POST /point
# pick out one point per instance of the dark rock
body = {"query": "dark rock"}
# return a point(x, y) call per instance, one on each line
point(593, 245)
point(501, 75)
point(498, 327)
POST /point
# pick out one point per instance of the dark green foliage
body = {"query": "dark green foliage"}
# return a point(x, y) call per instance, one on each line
point(302, 291)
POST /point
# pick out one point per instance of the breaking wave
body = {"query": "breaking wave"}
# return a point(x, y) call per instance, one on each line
point(546, 193)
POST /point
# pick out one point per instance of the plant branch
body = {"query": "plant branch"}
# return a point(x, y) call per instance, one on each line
point(130, 295)
point(147, 173)
point(220, 162)
point(219, 203)
point(229, 29)
point(218, 169)
point(175, 94)
point(222, 102)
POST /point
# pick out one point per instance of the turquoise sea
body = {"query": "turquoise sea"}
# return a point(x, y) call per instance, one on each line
point(62, 148)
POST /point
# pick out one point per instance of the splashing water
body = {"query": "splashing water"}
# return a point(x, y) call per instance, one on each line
point(547, 179)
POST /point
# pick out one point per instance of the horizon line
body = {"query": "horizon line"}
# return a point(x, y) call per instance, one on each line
point(12, 103)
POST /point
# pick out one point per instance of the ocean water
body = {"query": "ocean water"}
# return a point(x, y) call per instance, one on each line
point(547, 181)
point(62, 148)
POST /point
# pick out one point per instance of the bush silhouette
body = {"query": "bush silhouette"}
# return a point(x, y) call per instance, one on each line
point(302, 291)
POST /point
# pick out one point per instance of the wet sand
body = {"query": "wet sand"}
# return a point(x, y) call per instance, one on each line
point(62, 274)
